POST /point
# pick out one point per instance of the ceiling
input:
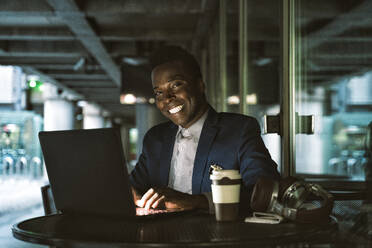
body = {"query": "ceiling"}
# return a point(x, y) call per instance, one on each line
point(95, 49)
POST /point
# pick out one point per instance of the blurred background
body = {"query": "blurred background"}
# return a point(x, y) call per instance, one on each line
point(302, 68)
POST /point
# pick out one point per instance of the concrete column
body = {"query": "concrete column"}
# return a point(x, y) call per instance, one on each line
point(58, 115)
point(58, 112)
point(93, 116)
point(147, 116)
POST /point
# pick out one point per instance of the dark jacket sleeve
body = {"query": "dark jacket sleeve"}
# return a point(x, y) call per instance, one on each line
point(254, 160)
point(139, 177)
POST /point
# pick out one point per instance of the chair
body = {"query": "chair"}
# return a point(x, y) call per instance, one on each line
point(48, 200)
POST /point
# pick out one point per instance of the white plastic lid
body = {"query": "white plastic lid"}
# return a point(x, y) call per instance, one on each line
point(219, 174)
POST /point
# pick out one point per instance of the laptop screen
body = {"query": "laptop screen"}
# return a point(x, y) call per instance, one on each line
point(87, 171)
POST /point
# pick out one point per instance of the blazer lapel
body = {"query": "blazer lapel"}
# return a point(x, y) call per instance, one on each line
point(166, 154)
point(207, 135)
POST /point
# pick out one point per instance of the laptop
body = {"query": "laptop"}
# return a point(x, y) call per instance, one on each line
point(87, 172)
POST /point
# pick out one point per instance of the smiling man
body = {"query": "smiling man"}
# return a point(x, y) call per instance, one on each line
point(173, 169)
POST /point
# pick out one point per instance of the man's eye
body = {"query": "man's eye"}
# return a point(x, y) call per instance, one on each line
point(176, 84)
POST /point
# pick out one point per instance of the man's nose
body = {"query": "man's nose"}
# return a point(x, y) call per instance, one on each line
point(169, 96)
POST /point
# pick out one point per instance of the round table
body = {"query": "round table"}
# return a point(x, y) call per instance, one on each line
point(187, 230)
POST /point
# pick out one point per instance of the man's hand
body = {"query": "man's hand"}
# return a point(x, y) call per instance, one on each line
point(170, 199)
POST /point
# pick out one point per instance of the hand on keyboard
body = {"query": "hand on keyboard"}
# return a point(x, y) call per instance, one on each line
point(171, 199)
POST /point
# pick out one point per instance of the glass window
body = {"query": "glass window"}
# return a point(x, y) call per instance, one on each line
point(257, 65)
point(263, 81)
point(333, 87)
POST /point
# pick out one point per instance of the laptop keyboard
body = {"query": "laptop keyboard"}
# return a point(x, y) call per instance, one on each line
point(143, 211)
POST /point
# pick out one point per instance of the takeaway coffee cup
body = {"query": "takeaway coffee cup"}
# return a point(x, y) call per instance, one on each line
point(226, 193)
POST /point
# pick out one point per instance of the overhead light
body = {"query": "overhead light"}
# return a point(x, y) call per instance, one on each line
point(79, 65)
point(106, 113)
point(127, 99)
point(32, 83)
point(251, 99)
point(135, 61)
point(118, 120)
point(82, 103)
point(263, 61)
point(152, 100)
point(233, 100)
point(32, 80)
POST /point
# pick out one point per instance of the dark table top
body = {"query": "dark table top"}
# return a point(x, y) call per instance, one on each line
point(189, 229)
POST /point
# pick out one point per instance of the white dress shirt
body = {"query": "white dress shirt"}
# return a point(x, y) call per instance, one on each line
point(184, 151)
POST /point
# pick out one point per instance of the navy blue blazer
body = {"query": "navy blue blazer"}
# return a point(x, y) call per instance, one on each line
point(232, 141)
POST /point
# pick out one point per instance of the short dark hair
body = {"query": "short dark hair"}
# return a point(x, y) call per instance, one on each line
point(167, 54)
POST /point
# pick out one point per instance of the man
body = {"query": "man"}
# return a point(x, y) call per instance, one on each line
point(173, 169)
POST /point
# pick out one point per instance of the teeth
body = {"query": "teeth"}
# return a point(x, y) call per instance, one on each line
point(175, 110)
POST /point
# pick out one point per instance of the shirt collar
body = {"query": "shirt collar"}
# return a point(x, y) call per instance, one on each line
point(195, 129)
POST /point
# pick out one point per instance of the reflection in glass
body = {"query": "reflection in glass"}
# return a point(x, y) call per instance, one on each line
point(333, 83)
point(261, 70)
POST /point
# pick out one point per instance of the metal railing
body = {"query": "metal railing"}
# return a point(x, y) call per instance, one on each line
point(17, 163)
